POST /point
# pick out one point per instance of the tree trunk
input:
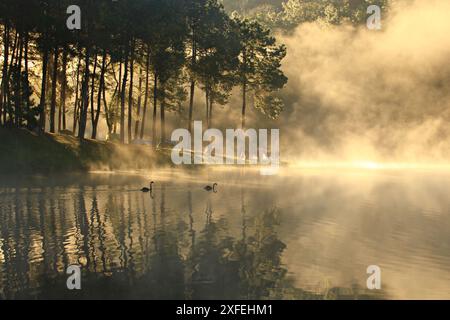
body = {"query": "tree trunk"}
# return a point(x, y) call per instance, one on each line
point(62, 102)
point(119, 93)
point(54, 81)
point(93, 89)
point(130, 95)
point(192, 91)
point(18, 104)
point(244, 103)
point(144, 113)
point(4, 72)
point(7, 105)
point(84, 96)
point(42, 114)
point(163, 117)
point(155, 103)
point(210, 111)
point(107, 117)
point(120, 79)
point(13, 56)
point(207, 107)
point(122, 100)
point(99, 98)
point(27, 92)
point(244, 92)
point(75, 108)
point(139, 102)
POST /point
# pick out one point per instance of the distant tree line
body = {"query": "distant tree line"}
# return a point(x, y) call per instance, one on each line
point(288, 14)
point(132, 61)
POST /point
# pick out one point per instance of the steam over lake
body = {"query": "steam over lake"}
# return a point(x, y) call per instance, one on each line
point(300, 234)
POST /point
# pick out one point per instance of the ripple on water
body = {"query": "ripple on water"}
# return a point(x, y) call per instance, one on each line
point(330, 228)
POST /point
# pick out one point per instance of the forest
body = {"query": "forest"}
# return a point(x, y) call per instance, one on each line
point(134, 61)
point(288, 14)
point(131, 63)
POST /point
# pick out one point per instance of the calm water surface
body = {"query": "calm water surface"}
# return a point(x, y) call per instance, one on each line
point(298, 235)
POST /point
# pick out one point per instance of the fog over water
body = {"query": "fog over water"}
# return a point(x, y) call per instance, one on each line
point(356, 94)
point(296, 235)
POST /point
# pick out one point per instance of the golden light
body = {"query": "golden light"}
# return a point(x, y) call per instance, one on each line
point(370, 165)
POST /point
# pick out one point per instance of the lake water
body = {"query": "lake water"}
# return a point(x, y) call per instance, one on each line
point(297, 235)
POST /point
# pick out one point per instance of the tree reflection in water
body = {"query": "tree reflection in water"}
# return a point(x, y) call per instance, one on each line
point(132, 245)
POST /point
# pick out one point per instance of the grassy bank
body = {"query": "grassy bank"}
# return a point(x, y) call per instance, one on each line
point(22, 151)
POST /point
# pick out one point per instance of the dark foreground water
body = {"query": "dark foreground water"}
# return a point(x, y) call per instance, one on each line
point(298, 235)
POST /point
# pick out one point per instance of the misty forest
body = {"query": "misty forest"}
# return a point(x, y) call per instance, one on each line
point(132, 62)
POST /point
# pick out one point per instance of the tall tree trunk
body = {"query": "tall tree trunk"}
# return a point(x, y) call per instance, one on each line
point(244, 104)
point(62, 102)
point(120, 79)
point(77, 90)
point(99, 98)
point(144, 113)
point(54, 81)
point(93, 89)
point(244, 94)
point(84, 96)
point(210, 110)
point(122, 100)
point(163, 117)
point(155, 104)
point(207, 107)
point(18, 104)
point(27, 90)
point(119, 93)
point(13, 55)
point(192, 91)
point(107, 116)
point(4, 72)
point(8, 76)
point(42, 107)
point(139, 102)
point(130, 94)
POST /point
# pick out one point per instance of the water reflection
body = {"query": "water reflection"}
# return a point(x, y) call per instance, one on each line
point(177, 242)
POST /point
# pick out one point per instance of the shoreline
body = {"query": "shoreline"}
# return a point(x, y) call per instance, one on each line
point(23, 152)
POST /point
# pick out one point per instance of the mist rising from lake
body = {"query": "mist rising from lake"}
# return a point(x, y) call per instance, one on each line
point(295, 235)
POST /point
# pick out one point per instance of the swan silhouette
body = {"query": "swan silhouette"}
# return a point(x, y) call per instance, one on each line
point(213, 188)
point(145, 189)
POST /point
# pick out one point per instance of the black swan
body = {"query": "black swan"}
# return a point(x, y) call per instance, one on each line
point(209, 188)
point(145, 189)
